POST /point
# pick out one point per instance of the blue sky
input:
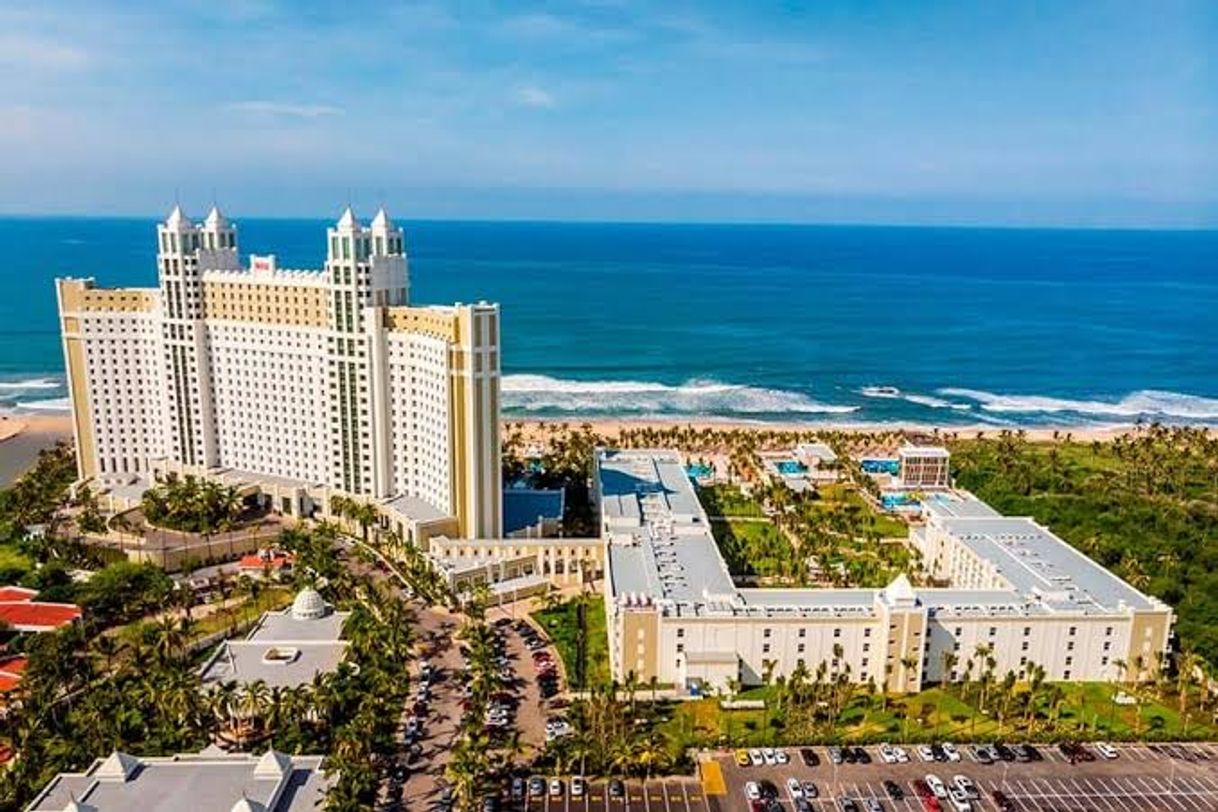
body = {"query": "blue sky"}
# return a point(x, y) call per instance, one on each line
point(1042, 113)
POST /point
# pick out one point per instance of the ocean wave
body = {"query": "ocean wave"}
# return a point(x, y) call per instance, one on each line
point(30, 383)
point(1143, 403)
point(541, 393)
point(48, 405)
point(893, 393)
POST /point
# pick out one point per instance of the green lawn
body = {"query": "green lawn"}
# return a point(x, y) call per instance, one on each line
point(728, 500)
point(934, 715)
point(586, 656)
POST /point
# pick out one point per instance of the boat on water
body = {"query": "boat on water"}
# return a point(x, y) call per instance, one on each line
point(881, 391)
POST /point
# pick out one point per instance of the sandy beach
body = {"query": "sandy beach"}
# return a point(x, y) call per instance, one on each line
point(536, 430)
point(23, 436)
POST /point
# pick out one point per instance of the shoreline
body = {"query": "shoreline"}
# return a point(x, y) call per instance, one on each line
point(16, 424)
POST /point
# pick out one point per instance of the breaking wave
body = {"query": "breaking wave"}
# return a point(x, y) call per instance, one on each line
point(30, 383)
point(1144, 403)
point(893, 393)
point(48, 405)
point(541, 393)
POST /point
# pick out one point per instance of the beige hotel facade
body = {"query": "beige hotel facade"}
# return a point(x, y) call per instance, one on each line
point(1015, 592)
point(307, 383)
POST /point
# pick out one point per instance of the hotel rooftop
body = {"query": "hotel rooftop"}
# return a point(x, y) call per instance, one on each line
point(661, 552)
point(285, 649)
point(210, 781)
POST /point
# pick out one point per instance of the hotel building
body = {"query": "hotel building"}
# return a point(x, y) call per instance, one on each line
point(1018, 594)
point(308, 383)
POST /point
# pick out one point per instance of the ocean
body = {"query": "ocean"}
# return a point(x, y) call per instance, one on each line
point(953, 326)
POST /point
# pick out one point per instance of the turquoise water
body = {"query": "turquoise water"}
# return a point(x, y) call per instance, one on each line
point(698, 471)
point(881, 466)
point(791, 467)
point(897, 499)
point(953, 326)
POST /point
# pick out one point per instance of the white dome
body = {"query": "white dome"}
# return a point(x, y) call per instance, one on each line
point(308, 605)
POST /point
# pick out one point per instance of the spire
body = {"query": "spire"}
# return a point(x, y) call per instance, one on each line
point(117, 765)
point(215, 219)
point(177, 219)
point(348, 219)
point(382, 220)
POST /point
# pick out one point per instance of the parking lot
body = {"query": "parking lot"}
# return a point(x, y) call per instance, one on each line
point(660, 795)
point(1160, 777)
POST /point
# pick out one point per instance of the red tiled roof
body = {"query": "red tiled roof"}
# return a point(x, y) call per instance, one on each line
point(256, 562)
point(34, 616)
point(11, 669)
point(6, 754)
point(19, 610)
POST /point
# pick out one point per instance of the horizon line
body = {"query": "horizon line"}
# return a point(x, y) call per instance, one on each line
point(980, 226)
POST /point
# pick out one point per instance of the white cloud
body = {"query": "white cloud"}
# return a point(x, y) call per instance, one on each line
point(263, 107)
point(533, 96)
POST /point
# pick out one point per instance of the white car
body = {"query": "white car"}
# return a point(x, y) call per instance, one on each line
point(755, 758)
point(925, 752)
point(951, 752)
point(578, 787)
point(781, 756)
point(959, 801)
point(936, 785)
point(752, 791)
point(887, 754)
point(965, 785)
point(767, 753)
point(902, 754)
point(793, 787)
point(1106, 750)
point(555, 788)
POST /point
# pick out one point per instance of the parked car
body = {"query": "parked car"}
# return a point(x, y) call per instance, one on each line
point(950, 751)
point(835, 755)
point(1001, 801)
point(617, 788)
point(755, 757)
point(556, 788)
point(893, 789)
point(966, 785)
point(925, 752)
point(537, 785)
point(752, 791)
point(981, 753)
point(742, 758)
point(578, 787)
point(794, 788)
point(809, 757)
point(888, 754)
point(936, 785)
point(810, 790)
point(781, 756)
point(1106, 750)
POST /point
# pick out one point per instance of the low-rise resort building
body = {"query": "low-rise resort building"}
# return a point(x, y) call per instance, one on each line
point(1014, 592)
point(210, 781)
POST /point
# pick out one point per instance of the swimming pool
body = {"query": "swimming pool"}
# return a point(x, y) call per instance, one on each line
point(896, 500)
point(791, 467)
point(699, 471)
point(881, 466)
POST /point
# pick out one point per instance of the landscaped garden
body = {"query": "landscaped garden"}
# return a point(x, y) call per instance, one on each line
point(577, 628)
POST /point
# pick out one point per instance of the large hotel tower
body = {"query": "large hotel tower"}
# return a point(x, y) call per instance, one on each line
point(328, 380)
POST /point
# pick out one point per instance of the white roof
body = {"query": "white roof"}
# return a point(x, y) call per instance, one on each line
point(177, 219)
point(381, 220)
point(347, 220)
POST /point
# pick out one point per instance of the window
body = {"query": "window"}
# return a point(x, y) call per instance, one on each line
point(837, 632)
point(1027, 631)
point(803, 632)
point(680, 633)
point(993, 631)
point(1073, 630)
point(765, 649)
point(766, 633)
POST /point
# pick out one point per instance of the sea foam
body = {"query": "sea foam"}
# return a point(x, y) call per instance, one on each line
point(542, 393)
point(1143, 403)
point(29, 384)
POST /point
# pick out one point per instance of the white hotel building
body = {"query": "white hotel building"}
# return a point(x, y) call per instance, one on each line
point(307, 383)
point(1016, 590)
